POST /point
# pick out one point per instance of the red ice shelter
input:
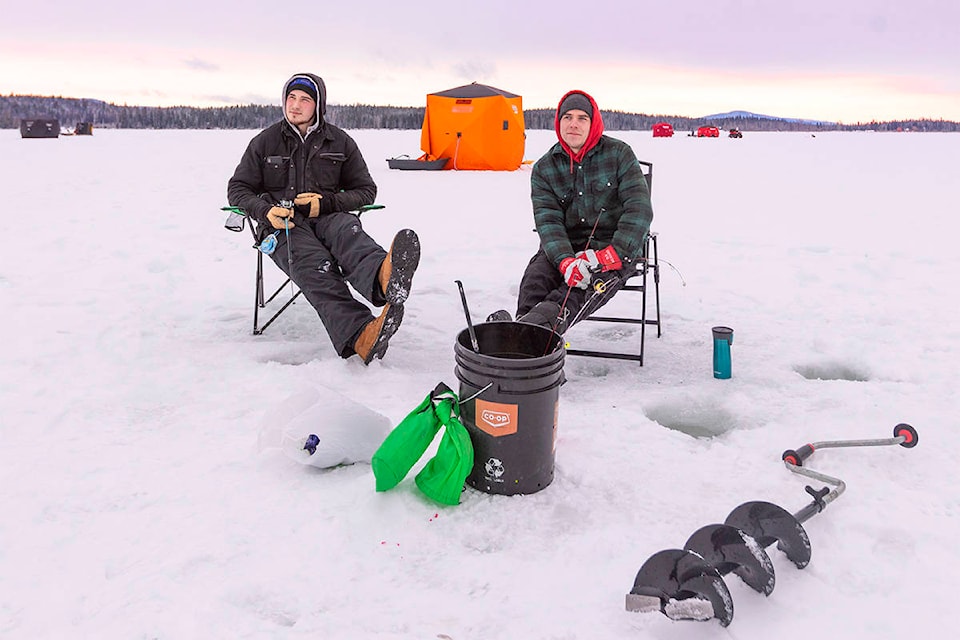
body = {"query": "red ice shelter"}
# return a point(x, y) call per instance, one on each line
point(662, 130)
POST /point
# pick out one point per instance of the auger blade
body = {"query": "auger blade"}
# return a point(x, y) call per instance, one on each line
point(730, 550)
point(681, 585)
point(767, 523)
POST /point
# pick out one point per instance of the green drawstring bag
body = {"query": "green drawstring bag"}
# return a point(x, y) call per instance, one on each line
point(443, 476)
point(404, 445)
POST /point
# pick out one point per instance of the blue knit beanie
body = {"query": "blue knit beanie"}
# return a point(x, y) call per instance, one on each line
point(303, 84)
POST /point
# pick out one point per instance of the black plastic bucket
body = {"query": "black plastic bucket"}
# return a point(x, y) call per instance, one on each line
point(514, 388)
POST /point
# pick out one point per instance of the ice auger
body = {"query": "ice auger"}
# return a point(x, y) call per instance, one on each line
point(687, 583)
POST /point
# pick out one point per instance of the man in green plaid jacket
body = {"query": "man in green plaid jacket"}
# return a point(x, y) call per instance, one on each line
point(591, 206)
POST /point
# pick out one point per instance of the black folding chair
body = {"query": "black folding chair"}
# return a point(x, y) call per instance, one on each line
point(235, 222)
point(648, 272)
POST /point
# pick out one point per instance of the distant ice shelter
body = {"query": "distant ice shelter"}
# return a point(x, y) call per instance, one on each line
point(39, 128)
point(83, 129)
point(662, 130)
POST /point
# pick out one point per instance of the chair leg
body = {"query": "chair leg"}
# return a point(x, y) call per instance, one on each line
point(643, 313)
point(262, 301)
point(656, 282)
point(258, 301)
point(281, 309)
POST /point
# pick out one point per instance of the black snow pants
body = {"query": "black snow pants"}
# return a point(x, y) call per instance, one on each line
point(542, 281)
point(328, 252)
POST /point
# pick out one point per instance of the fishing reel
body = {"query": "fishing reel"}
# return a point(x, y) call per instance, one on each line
point(269, 244)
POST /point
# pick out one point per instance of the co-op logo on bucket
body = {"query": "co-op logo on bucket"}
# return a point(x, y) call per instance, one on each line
point(496, 418)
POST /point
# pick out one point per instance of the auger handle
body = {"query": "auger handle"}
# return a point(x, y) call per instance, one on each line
point(907, 433)
point(903, 435)
point(797, 456)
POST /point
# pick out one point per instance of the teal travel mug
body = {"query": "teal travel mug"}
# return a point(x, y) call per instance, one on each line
point(722, 339)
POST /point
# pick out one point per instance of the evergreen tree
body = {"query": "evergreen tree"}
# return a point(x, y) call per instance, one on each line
point(70, 111)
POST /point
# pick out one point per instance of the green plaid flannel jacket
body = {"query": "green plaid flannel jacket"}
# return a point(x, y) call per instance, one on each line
point(569, 199)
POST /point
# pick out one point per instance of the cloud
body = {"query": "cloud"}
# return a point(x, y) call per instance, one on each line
point(689, 59)
point(248, 98)
point(201, 65)
point(474, 70)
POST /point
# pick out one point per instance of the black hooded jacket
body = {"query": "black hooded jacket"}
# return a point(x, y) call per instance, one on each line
point(279, 163)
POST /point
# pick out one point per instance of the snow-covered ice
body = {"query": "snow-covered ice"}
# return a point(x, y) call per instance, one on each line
point(138, 499)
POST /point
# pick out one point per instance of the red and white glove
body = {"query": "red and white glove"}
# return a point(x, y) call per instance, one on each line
point(576, 272)
point(609, 260)
point(591, 257)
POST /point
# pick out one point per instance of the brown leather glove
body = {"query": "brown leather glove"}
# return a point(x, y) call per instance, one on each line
point(280, 218)
point(310, 202)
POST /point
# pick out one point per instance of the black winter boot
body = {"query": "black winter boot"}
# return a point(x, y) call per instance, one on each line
point(500, 316)
point(546, 314)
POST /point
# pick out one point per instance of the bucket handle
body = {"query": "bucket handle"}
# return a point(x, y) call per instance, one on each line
point(468, 399)
point(552, 385)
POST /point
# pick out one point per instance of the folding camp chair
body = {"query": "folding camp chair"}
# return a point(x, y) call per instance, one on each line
point(648, 272)
point(235, 222)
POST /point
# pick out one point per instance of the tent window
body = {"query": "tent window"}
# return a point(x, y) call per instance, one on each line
point(506, 125)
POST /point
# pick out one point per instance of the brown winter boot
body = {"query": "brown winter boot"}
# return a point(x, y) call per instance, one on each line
point(396, 271)
point(372, 340)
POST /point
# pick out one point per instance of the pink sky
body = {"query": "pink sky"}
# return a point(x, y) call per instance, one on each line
point(853, 61)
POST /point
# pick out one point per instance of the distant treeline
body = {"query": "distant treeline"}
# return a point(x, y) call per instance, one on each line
point(70, 111)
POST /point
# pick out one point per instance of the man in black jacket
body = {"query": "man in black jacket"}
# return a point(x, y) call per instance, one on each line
point(318, 167)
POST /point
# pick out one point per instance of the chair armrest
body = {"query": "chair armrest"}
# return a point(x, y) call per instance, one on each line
point(369, 207)
point(235, 218)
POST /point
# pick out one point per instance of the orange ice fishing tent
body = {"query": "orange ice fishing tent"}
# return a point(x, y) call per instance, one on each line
point(475, 126)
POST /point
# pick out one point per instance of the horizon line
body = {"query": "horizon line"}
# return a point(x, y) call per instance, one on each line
point(392, 106)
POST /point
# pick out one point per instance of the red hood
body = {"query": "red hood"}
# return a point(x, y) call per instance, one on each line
point(596, 127)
